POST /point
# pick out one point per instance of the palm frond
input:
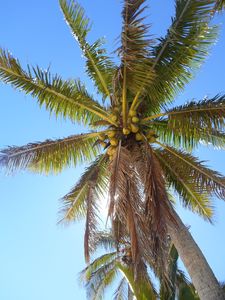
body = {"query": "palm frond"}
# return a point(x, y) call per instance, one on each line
point(121, 203)
point(185, 289)
point(105, 240)
point(183, 49)
point(213, 138)
point(66, 98)
point(205, 179)
point(121, 291)
point(191, 195)
point(208, 113)
point(87, 273)
point(175, 137)
point(51, 155)
point(98, 65)
point(220, 5)
point(168, 289)
point(142, 287)
point(98, 275)
point(156, 203)
point(134, 50)
point(75, 202)
point(187, 138)
point(91, 224)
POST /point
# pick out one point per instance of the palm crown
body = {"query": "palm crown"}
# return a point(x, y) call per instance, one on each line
point(135, 139)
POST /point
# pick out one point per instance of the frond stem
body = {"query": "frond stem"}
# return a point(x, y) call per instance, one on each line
point(181, 112)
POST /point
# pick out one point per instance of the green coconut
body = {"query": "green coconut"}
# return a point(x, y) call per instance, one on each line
point(152, 139)
point(150, 133)
point(111, 133)
point(114, 142)
point(138, 137)
point(135, 119)
point(114, 118)
point(111, 150)
point(134, 128)
point(126, 131)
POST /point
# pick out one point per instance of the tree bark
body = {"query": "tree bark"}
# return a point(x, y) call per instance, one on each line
point(198, 268)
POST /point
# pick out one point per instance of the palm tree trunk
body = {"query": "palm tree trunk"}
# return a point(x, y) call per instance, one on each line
point(198, 268)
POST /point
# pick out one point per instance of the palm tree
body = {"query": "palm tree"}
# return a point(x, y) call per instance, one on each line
point(135, 138)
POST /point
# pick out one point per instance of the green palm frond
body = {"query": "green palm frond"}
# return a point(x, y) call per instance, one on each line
point(213, 138)
point(134, 53)
point(187, 138)
point(75, 202)
point(205, 179)
point(175, 136)
point(51, 155)
point(66, 98)
point(105, 282)
point(168, 289)
point(135, 45)
point(185, 289)
point(179, 286)
point(98, 275)
point(182, 50)
point(142, 288)
point(84, 200)
point(99, 66)
point(96, 264)
point(121, 292)
point(206, 114)
point(190, 194)
point(220, 5)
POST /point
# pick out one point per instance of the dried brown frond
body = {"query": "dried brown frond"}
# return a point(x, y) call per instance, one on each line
point(123, 196)
point(91, 223)
point(157, 208)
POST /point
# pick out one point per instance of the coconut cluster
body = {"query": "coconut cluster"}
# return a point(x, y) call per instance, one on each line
point(110, 139)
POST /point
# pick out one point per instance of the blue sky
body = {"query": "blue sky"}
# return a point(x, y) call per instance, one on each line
point(40, 260)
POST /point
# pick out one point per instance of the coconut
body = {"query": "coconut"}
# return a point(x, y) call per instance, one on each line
point(111, 133)
point(111, 150)
point(150, 133)
point(114, 142)
point(114, 118)
point(135, 119)
point(134, 128)
point(138, 137)
point(152, 139)
point(126, 131)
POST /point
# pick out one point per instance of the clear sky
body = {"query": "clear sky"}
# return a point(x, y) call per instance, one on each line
point(38, 259)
